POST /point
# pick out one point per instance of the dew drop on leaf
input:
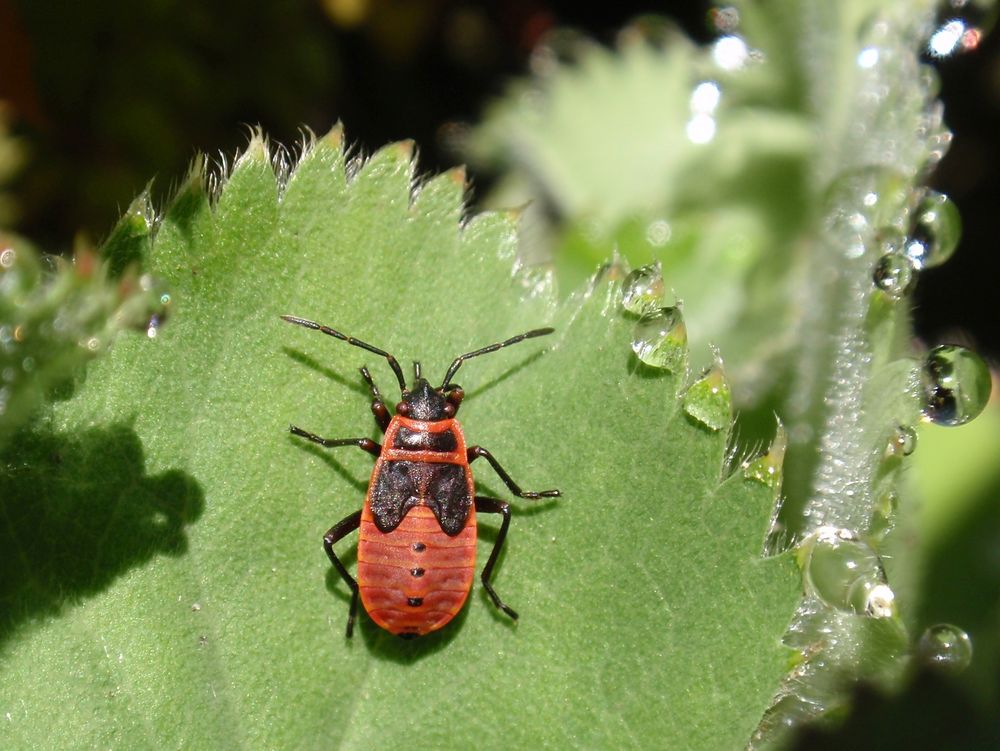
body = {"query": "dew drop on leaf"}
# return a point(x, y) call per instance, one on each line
point(642, 291)
point(660, 340)
point(708, 400)
point(956, 385)
point(767, 469)
point(946, 647)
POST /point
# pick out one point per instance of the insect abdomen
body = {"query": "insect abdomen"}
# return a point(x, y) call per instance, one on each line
point(414, 579)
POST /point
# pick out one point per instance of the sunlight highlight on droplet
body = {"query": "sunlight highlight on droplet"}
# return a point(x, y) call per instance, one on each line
point(730, 53)
point(701, 128)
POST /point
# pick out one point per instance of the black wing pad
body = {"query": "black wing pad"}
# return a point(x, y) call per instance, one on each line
point(424, 440)
point(402, 485)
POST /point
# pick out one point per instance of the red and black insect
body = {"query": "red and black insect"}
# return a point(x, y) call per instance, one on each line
point(417, 541)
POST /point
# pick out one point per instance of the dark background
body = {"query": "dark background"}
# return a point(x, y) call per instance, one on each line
point(108, 93)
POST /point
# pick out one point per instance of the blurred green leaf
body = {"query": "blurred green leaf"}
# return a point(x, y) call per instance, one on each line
point(56, 316)
point(766, 173)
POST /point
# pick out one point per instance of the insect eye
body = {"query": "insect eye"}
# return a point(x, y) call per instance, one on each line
point(402, 408)
point(449, 409)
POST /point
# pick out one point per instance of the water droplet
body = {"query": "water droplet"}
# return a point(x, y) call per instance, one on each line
point(936, 229)
point(894, 274)
point(153, 326)
point(849, 229)
point(880, 602)
point(660, 340)
point(730, 52)
point(658, 233)
point(956, 385)
point(708, 400)
point(868, 57)
point(960, 27)
point(945, 647)
point(725, 19)
point(948, 38)
point(846, 573)
point(882, 515)
point(705, 97)
point(700, 128)
point(903, 442)
point(767, 469)
point(642, 291)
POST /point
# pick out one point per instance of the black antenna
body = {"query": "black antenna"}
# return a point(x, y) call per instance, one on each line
point(393, 362)
point(491, 348)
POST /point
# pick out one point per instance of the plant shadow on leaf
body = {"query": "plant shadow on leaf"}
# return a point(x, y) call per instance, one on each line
point(77, 510)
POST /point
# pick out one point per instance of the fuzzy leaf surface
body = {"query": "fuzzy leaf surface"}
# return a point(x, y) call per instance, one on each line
point(164, 583)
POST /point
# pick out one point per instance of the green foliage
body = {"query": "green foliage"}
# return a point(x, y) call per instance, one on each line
point(193, 606)
point(766, 189)
point(766, 178)
point(55, 317)
point(12, 156)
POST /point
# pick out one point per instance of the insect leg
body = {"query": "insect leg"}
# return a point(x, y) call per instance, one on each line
point(365, 444)
point(337, 532)
point(493, 506)
point(475, 452)
point(382, 416)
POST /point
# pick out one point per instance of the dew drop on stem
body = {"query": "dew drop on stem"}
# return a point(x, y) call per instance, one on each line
point(894, 274)
point(936, 229)
point(846, 573)
point(945, 647)
point(956, 385)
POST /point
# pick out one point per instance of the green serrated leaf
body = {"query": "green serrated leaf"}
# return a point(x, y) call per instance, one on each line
point(163, 580)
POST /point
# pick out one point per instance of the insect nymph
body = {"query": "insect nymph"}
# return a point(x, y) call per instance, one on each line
point(417, 539)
